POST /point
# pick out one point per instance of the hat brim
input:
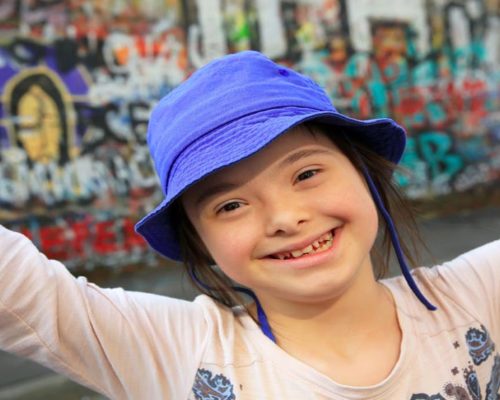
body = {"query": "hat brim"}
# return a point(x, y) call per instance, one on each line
point(240, 139)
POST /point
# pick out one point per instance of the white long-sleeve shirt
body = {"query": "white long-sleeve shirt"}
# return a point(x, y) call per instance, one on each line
point(130, 345)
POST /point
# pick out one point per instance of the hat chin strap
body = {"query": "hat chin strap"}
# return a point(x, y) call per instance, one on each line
point(261, 315)
point(395, 242)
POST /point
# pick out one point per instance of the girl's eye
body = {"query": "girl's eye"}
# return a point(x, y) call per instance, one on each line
point(307, 174)
point(229, 207)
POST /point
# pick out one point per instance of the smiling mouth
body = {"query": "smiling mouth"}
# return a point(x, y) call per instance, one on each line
point(319, 245)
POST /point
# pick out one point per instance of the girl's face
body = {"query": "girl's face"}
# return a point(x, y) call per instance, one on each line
point(294, 222)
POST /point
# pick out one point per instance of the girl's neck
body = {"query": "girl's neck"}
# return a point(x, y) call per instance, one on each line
point(343, 317)
point(338, 337)
point(364, 307)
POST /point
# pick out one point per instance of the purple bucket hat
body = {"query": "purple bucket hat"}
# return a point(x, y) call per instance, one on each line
point(228, 110)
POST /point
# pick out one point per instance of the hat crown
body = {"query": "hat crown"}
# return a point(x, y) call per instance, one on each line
point(220, 92)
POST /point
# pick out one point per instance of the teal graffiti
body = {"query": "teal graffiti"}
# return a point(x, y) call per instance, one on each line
point(428, 159)
point(435, 149)
point(409, 163)
point(425, 73)
point(436, 113)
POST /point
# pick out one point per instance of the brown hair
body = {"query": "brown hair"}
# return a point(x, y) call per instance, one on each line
point(212, 282)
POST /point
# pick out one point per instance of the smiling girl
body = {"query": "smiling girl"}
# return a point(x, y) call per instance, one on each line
point(283, 211)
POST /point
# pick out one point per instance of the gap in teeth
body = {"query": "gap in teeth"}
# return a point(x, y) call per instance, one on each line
point(316, 247)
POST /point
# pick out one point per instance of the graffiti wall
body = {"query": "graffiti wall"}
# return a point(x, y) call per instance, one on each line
point(78, 80)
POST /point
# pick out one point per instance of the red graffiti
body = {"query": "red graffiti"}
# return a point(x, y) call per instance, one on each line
point(75, 240)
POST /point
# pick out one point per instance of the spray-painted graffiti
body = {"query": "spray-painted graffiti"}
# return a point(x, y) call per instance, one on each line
point(78, 80)
point(89, 240)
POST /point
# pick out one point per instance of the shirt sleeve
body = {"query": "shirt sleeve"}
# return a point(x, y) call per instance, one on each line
point(122, 344)
point(473, 280)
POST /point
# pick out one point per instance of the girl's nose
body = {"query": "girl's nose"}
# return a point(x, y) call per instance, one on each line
point(286, 217)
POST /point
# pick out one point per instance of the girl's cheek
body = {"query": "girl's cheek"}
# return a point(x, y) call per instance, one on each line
point(232, 242)
point(232, 260)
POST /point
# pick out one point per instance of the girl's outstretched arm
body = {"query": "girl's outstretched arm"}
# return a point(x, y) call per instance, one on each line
point(122, 344)
point(473, 281)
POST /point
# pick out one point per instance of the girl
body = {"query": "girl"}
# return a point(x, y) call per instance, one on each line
point(293, 202)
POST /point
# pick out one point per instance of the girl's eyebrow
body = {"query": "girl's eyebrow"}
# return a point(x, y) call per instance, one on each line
point(300, 154)
point(214, 190)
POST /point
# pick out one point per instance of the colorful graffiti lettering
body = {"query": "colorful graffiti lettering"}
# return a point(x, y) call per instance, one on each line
point(89, 241)
point(79, 79)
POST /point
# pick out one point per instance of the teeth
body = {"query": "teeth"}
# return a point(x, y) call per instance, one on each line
point(328, 236)
point(296, 253)
point(321, 244)
point(308, 249)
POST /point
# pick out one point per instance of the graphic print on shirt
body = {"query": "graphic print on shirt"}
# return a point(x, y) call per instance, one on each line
point(472, 382)
point(456, 392)
point(479, 344)
point(423, 396)
point(494, 384)
point(480, 348)
point(209, 387)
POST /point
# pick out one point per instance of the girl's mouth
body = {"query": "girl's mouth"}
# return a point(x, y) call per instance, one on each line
point(318, 246)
